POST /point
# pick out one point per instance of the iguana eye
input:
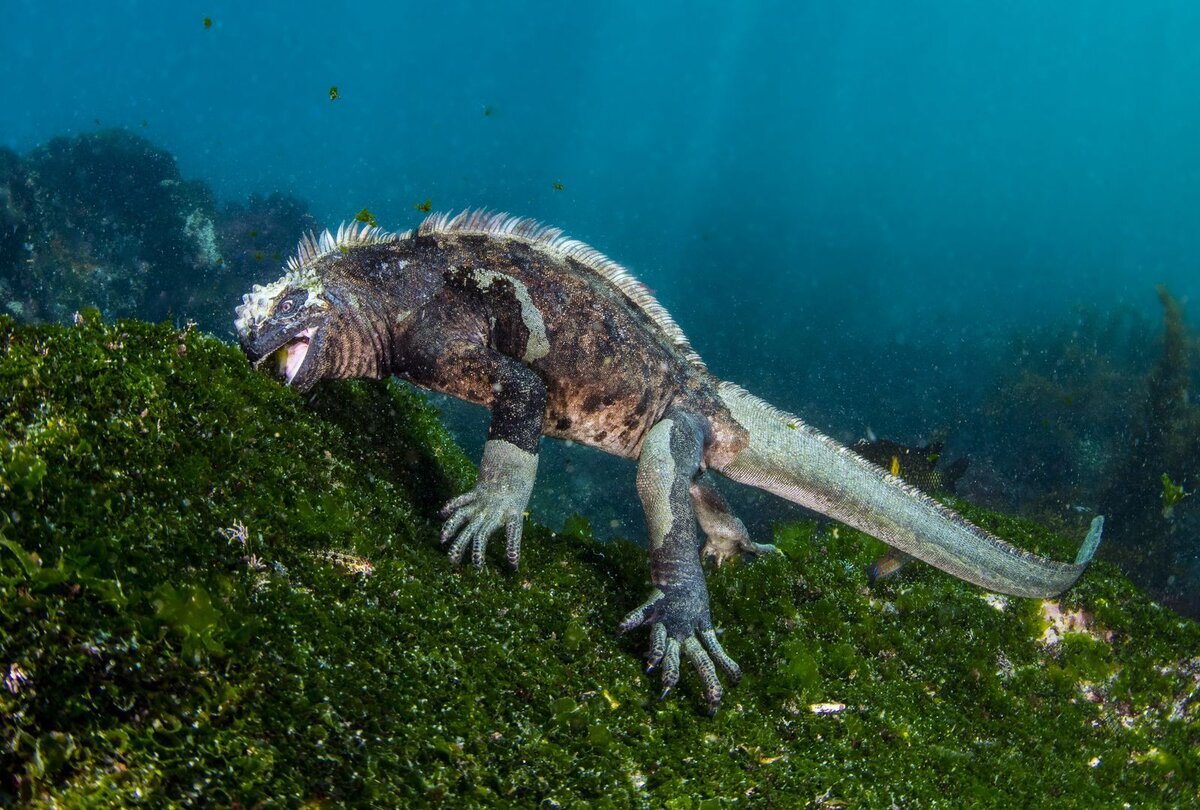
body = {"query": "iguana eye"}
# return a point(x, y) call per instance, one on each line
point(290, 305)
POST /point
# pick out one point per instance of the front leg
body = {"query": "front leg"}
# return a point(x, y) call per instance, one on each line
point(444, 349)
point(509, 465)
point(677, 610)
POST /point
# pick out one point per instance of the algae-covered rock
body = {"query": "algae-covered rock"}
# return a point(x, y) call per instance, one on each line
point(215, 592)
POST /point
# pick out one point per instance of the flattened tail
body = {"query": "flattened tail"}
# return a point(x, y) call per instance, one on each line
point(794, 461)
point(1091, 542)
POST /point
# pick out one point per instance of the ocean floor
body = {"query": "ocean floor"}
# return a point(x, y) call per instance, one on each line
point(213, 591)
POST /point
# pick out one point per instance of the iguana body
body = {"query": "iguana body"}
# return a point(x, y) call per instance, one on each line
point(557, 340)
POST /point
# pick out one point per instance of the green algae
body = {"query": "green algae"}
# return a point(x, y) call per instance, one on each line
point(184, 622)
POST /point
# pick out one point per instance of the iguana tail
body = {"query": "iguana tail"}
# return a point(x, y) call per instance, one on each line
point(794, 461)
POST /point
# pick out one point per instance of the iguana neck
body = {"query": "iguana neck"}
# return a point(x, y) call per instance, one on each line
point(367, 334)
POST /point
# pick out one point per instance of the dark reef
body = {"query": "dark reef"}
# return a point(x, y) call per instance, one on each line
point(106, 220)
point(214, 593)
point(1082, 421)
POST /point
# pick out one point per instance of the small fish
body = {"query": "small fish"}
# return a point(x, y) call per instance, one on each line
point(333, 93)
point(208, 22)
point(916, 465)
point(367, 217)
point(887, 565)
point(558, 186)
point(426, 206)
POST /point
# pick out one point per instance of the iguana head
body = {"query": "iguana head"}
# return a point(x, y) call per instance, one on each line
point(305, 327)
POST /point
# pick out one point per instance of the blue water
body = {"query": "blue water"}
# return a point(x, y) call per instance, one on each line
point(847, 206)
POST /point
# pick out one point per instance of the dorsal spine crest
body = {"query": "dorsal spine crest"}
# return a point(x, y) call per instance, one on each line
point(552, 240)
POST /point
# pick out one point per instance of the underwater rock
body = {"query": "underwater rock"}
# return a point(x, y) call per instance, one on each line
point(16, 204)
point(213, 592)
point(114, 226)
point(106, 220)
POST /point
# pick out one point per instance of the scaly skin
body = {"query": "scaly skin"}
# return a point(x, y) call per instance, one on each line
point(557, 340)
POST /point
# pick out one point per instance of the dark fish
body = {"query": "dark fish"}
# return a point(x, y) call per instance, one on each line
point(916, 465)
point(919, 467)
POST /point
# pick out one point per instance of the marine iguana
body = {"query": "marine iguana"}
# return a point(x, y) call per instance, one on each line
point(558, 340)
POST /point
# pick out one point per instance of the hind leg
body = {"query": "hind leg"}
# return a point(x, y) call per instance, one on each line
point(677, 611)
point(727, 535)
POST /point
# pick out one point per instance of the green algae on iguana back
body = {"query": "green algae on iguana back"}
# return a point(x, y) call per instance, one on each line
point(148, 657)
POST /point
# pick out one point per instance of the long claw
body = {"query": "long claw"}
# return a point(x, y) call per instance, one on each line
point(719, 656)
point(640, 615)
point(453, 525)
point(708, 673)
point(455, 552)
point(483, 532)
point(761, 548)
point(670, 666)
point(455, 504)
point(658, 645)
point(512, 537)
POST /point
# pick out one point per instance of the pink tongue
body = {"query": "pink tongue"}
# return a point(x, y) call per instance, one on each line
point(295, 356)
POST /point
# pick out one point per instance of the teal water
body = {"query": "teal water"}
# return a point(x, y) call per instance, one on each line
point(891, 168)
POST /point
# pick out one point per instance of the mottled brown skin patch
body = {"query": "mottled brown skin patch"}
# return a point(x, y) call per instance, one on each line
point(609, 374)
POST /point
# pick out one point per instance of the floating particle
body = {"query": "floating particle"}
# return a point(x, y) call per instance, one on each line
point(488, 110)
point(333, 93)
point(367, 217)
point(426, 206)
point(208, 22)
point(558, 186)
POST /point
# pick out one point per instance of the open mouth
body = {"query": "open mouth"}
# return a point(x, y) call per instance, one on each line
point(289, 357)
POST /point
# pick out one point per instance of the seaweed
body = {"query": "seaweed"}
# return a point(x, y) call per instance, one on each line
point(215, 592)
point(1154, 527)
point(1057, 417)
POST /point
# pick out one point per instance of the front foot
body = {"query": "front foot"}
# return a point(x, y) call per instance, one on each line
point(679, 621)
point(498, 499)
